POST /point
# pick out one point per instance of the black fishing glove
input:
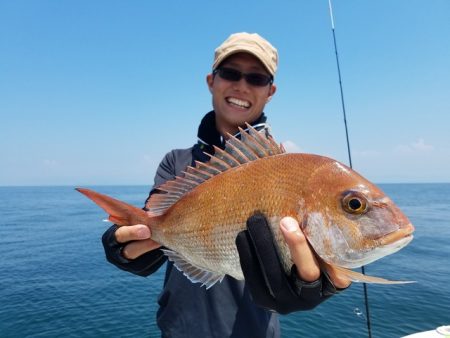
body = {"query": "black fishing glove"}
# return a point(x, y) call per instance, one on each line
point(144, 265)
point(268, 284)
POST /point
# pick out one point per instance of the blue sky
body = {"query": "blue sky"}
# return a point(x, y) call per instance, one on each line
point(96, 92)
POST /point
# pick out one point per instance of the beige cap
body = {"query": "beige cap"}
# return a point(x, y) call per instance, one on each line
point(248, 43)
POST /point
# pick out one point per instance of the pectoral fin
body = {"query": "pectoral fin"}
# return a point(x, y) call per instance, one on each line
point(358, 277)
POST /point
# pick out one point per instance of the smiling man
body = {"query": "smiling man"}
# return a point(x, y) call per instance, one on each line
point(236, 102)
point(241, 83)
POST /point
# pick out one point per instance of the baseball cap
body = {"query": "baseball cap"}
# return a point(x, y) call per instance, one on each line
point(251, 43)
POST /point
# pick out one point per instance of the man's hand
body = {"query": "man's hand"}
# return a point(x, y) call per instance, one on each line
point(138, 239)
point(303, 289)
point(131, 248)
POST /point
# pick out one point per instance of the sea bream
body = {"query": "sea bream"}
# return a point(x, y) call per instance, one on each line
point(348, 221)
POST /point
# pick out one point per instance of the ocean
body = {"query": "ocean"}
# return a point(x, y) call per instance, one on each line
point(55, 281)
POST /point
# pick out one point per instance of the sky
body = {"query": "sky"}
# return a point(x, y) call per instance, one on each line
point(97, 92)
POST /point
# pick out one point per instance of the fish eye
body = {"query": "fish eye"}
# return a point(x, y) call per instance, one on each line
point(354, 203)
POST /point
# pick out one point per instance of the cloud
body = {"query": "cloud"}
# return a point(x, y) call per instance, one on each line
point(147, 159)
point(421, 146)
point(414, 147)
point(368, 153)
point(291, 147)
point(50, 163)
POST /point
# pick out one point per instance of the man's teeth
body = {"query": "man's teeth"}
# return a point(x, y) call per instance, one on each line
point(237, 102)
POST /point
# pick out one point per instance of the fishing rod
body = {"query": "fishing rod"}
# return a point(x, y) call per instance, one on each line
point(366, 297)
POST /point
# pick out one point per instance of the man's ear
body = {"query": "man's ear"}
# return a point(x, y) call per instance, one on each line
point(272, 91)
point(210, 81)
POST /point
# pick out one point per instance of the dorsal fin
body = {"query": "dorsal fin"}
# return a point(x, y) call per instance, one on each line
point(252, 146)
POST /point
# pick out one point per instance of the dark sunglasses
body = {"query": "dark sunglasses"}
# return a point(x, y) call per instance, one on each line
point(254, 79)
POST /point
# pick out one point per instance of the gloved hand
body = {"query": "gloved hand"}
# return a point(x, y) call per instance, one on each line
point(265, 277)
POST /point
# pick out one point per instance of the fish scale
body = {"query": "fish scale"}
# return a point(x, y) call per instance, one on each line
point(219, 208)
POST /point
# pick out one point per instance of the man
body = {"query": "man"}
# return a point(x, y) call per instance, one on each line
point(241, 84)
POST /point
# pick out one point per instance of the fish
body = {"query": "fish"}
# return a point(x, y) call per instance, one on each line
point(347, 220)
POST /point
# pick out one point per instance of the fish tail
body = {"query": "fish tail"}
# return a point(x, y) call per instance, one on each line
point(119, 212)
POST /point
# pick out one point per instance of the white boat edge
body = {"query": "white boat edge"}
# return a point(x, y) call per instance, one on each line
point(439, 332)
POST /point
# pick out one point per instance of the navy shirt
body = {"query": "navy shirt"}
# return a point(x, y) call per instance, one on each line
point(189, 310)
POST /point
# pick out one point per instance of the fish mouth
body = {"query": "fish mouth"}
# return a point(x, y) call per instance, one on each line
point(386, 245)
point(402, 234)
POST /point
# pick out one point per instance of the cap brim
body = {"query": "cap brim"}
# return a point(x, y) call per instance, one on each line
point(224, 56)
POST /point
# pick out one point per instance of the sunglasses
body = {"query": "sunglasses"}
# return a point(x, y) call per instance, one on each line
point(254, 79)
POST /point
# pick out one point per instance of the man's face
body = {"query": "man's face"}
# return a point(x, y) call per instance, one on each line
point(237, 102)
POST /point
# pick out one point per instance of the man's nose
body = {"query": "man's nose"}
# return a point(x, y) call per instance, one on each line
point(241, 85)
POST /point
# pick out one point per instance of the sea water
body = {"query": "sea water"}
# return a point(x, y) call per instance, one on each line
point(55, 281)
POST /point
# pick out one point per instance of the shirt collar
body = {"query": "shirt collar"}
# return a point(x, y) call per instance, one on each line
point(208, 136)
